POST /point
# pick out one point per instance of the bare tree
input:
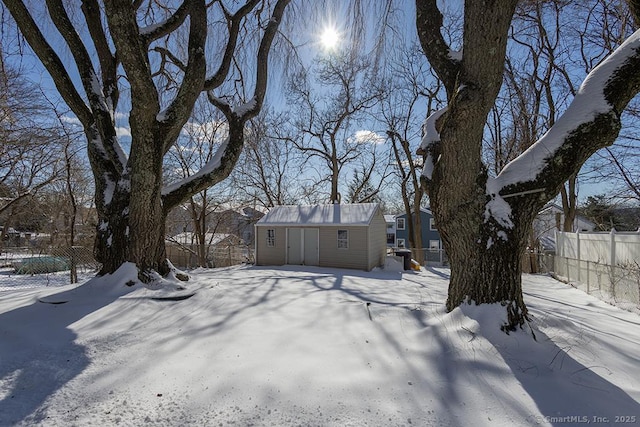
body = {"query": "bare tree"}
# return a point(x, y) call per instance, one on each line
point(164, 77)
point(485, 221)
point(196, 147)
point(617, 166)
point(327, 124)
point(28, 153)
point(271, 170)
point(411, 84)
point(537, 83)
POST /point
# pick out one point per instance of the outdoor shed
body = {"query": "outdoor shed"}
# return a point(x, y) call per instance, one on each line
point(343, 236)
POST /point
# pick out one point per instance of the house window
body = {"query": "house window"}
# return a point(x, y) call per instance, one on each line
point(434, 245)
point(400, 223)
point(432, 224)
point(271, 237)
point(400, 243)
point(343, 239)
point(391, 238)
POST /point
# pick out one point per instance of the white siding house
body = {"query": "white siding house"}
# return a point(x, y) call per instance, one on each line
point(550, 219)
point(343, 236)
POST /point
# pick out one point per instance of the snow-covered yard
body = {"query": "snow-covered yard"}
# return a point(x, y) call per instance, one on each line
point(312, 347)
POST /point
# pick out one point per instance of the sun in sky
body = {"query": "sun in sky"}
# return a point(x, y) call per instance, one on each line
point(330, 37)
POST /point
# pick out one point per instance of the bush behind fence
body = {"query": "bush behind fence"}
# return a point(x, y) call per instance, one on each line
point(616, 284)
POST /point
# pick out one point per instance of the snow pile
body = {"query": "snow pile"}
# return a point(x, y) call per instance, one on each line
point(314, 347)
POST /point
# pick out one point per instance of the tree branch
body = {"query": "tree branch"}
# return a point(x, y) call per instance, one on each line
point(591, 122)
point(634, 7)
point(220, 166)
point(178, 112)
point(102, 112)
point(625, 174)
point(50, 60)
point(234, 30)
point(262, 70)
point(154, 32)
point(429, 22)
point(132, 52)
point(108, 61)
point(80, 55)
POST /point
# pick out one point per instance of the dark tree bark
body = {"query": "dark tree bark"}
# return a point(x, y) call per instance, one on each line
point(569, 198)
point(484, 221)
point(131, 200)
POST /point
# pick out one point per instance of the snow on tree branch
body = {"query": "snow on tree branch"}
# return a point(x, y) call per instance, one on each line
point(243, 109)
point(430, 138)
point(590, 101)
point(209, 168)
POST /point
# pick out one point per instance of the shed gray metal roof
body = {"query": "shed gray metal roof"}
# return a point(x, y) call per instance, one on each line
point(319, 215)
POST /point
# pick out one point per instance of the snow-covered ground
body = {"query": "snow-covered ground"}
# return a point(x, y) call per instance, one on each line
point(311, 347)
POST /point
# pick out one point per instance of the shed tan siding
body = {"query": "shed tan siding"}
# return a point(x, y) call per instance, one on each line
point(271, 255)
point(377, 240)
point(367, 237)
point(355, 256)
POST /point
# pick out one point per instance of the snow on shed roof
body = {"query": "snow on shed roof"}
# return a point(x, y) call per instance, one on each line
point(352, 214)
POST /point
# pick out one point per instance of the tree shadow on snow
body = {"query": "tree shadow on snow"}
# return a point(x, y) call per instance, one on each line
point(442, 273)
point(565, 391)
point(39, 355)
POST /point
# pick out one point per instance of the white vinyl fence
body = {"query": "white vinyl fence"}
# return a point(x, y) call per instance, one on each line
point(606, 265)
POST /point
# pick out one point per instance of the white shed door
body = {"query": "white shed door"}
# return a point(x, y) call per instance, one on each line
point(294, 246)
point(310, 243)
point(302, 246)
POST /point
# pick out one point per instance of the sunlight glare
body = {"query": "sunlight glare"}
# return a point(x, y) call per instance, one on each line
point(329, 38)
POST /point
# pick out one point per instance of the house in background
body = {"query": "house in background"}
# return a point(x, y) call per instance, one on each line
point(430, 234)
point(551, 219)
point(239, 222)
point(342, 236)
point(391, 230)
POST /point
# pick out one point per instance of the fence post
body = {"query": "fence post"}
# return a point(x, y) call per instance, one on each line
point(612, 261)
point(612, 247)
point(564, 255)
point(578, 255)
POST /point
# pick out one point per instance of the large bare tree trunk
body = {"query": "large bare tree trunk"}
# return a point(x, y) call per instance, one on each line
point(131, 200)
point(485, 264)
point(485, 221)
point(111, 246)
point(146, 214)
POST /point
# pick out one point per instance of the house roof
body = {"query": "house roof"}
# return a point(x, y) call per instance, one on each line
point(320, 215)
point(390, 218)
point(424, 210)
point(553, 207)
